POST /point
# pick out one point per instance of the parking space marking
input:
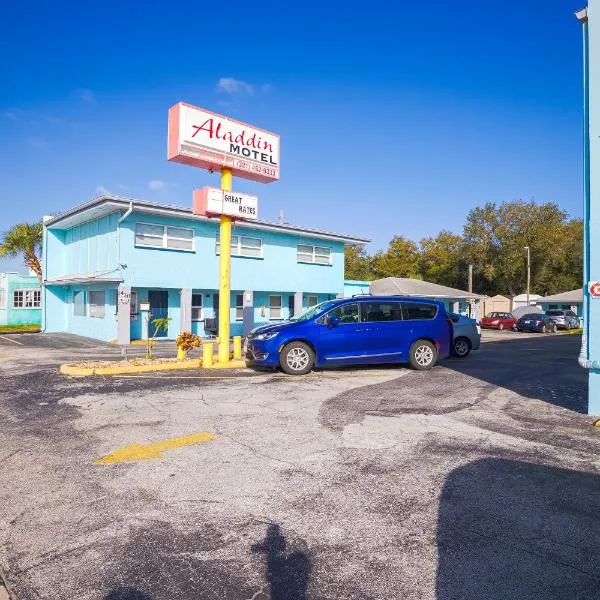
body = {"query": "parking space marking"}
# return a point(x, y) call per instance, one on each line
point(137, 451)
point(7, 339)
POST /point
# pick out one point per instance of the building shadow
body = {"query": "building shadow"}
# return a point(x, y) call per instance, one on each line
point(543, 367)
point(287, 572)
point(515, 530)
point(127, 593)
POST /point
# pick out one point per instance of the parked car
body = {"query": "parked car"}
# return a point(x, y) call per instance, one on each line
point(355, 331)
point(467, 335)
point(564, 319)
point(539, 323)
point(498, 320)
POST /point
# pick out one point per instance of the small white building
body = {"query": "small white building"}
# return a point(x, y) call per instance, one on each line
point(521, 300)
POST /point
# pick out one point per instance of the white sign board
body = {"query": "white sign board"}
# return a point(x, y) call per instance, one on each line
point(204, 139)
point(213, 201)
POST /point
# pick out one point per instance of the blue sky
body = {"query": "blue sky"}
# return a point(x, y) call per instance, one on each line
point(395, 117)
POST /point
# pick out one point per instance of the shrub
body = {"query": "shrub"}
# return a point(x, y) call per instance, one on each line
point(187, 340)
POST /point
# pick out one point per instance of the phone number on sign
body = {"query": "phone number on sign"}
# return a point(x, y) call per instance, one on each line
point(248, 166)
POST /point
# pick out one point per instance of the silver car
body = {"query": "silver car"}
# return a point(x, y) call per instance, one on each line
point(564, 319)
point(467, 335)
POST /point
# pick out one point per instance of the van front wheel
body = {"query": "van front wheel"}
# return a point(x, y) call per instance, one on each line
point(422, 355)
point(297, 358)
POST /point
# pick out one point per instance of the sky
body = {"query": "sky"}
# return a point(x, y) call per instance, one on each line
point(396, 118)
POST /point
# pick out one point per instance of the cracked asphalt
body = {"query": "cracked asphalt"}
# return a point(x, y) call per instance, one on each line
point(479, 479)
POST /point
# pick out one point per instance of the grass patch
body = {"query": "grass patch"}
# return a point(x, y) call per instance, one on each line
point(33, 328)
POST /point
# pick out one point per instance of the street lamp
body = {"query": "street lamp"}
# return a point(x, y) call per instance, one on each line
point(528, 271)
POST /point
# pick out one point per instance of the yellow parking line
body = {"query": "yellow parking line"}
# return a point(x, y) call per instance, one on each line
point(7, 339)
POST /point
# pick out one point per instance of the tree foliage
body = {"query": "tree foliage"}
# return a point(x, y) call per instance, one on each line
point(25, 239)
point(493, 240)
point(401, 259)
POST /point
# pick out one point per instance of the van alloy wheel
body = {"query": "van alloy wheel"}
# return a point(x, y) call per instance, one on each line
point(297, 359)
point(424, 355)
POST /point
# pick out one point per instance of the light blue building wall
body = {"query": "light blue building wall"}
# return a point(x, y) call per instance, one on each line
point(354, 286)
point(20, 299)
point(112, 252)
point(590, 354)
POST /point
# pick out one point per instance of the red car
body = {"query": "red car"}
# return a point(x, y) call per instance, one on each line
point(498, 320)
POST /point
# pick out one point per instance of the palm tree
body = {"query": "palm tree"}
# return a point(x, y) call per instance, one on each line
point(25, 239)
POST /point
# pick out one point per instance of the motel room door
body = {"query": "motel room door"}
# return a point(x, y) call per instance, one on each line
point(159, 307)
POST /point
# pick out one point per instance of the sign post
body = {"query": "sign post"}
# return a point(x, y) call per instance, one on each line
point(225, 273)
point(204, 139)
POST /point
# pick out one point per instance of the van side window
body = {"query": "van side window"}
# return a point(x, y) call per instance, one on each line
point(347, 313)
point(380, 311)
point(416, 311)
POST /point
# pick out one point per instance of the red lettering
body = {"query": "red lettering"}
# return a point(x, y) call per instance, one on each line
point(203, 127)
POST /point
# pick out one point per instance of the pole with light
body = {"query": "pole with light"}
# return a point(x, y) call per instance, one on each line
point(528, 271)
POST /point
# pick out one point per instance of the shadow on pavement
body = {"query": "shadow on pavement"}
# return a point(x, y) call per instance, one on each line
point(286, 573)
point(543, 367)
point(509, 529)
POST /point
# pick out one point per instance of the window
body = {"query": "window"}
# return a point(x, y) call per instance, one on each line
point(239, 307)
point(347, 313)
point(312, 301)
point(2, 298)
point(314, 254)
point(196, 307)
point(132, 303)
point(242, 245)
point(79, 304)
point(164, 236)
point(96, 302)
point(27, 298)
point(381, 311)
point(275, 307)
point(415, 311)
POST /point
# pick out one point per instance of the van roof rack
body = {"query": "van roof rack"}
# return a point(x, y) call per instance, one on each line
point(356, 295)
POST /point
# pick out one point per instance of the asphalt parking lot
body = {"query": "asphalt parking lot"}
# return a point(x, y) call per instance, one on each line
point(476, 480)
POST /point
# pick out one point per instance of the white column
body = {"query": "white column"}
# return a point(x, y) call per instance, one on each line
point(123, 315)
point(248, 305)
point(185, 310)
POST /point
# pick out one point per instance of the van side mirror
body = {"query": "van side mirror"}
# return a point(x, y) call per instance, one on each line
point(333, 321)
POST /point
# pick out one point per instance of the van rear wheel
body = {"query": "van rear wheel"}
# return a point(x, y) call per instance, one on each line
point(422, 355)
point(297, 358)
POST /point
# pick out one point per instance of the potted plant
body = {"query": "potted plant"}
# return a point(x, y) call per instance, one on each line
point(186, 341)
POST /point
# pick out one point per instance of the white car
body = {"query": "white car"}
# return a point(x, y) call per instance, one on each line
point(467, 335)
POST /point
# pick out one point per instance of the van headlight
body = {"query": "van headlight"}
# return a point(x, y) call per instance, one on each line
point(266, 336)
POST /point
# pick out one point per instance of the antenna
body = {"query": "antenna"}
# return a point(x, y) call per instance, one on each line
point(281, 220)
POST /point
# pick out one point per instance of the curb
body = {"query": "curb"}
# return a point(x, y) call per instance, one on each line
point(68, 369)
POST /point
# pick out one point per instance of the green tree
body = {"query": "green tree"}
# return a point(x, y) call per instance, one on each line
point(24, 239)
point(495, 237)
point(357, 264)
point(401, 259)
point(441, 260)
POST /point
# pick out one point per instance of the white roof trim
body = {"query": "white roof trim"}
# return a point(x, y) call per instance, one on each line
point(77, 215)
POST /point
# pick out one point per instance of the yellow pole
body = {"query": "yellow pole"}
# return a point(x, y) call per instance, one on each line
point(225, 274)
point(237, 347)
point(207, 355)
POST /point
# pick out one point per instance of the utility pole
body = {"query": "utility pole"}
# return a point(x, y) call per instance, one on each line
point(528, 272)
point(470, 288)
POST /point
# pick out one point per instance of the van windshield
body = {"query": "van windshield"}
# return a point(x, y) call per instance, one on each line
point(309, 313)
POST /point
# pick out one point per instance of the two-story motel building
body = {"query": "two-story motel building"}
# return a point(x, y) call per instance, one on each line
point(109, 260)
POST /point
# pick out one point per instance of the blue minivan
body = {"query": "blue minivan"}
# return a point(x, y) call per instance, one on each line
point(355, 331)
